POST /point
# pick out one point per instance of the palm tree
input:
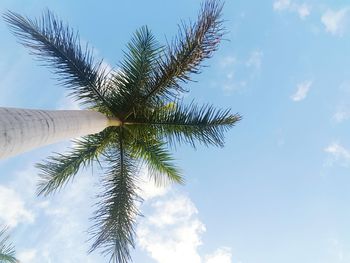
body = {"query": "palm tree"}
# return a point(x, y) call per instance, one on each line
point(7, 250)
point(142, 98)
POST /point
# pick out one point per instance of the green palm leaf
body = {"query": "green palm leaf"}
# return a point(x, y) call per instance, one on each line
point(57, 170)
point(114, 228)
point(158, 160)
point(58, 46)
point(186, 124)
point(7, 250)
point(195, 43)
point(133, 78)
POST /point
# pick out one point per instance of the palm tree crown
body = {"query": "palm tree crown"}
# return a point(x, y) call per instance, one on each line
point(144, 95)
point(7, 250)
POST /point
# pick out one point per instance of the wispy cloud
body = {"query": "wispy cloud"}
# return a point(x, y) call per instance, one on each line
point(338, 154)
point(66, 222)
point(280, 5)
point(302, 91)
point(228, 61)
point(341, 115)
point(147, 188)
point(303, 10)
point(231, 87)
point(236, 73)
point(27, 256)
point(60, 222)
point(337, 249)
point(335, 22)
point(221, 255)
point(255, 59)
point(342, 109)
point(13, 209)
point(228, 66)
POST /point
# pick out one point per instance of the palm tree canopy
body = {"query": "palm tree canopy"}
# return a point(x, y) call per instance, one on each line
point(7, 250)
point(145, 95)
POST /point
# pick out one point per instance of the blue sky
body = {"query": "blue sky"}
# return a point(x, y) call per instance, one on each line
point(278, 191)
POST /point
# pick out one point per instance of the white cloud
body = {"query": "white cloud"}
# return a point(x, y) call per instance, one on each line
point(342, 110)
point(64, 218)
point(248, 68)
point(337, 249)
point(279, 5)
point(302, 91)
point(303, 10)
point(228, 61)
point(58, 233)
point(67, 221)
point(27, 256)
point(147, 188)
point(221, 255)
point(230, 87)
point(255, 59)
point(168, 212)
point(338, 153)
point(172, 232)
point(341, 115)
point(12, 208)
point(335, 22)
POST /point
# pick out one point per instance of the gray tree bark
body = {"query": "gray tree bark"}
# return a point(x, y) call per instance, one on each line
point(22, 130)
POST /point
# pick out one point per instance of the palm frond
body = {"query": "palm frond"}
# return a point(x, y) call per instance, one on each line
point(59, 47)
point(194, 43)
point(114, 227)
point(157, 159)
point(59, 169)
point(7, 250)
point(133, 78)
point(186, 124)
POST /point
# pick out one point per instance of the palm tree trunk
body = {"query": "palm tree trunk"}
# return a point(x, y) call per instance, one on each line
point(24, 129)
